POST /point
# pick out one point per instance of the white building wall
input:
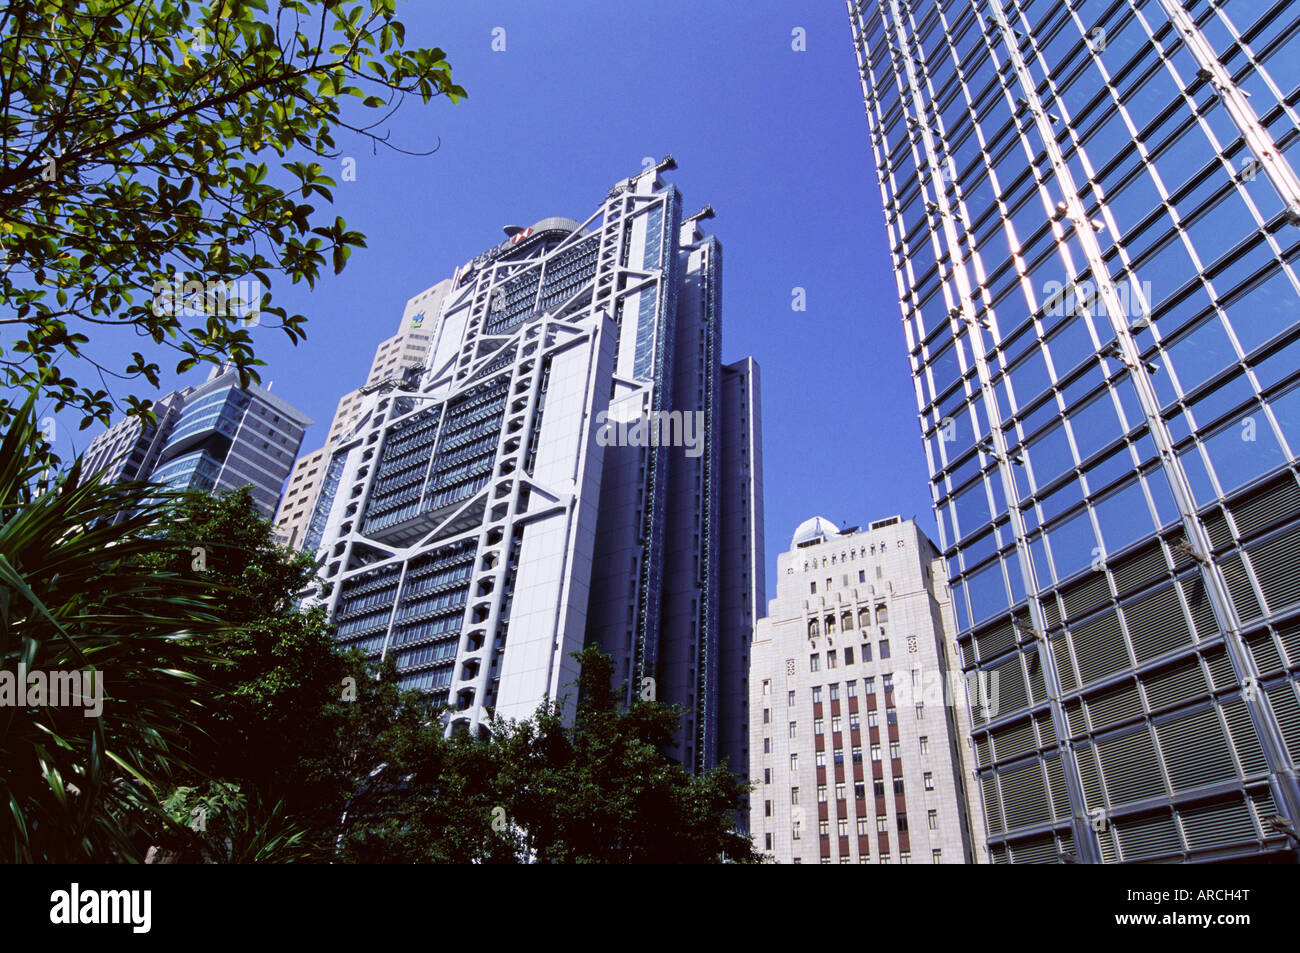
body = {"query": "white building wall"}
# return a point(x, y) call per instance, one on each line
point(891, 573)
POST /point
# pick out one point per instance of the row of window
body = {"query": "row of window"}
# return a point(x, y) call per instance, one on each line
point(832, 656)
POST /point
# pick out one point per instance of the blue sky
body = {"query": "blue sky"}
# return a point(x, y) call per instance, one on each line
point(775, 140)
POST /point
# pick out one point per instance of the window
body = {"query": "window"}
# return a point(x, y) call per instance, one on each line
point(831, 658)
point(767, 775)
point(894, 751)
point(820, 759)
point(862, 575)
point(851, 687)
point(794, 796)
point(920, 710)
point(864, 827)
point(767, 746)
point(866, 651)
point(842, 827)
point(898, 787)
point(819, 727)
point(870, 684)
point(891, 715)
point(857, 754)
point(824, 828)
point(789, 698)
point(904, 858)
point(817, 695)
point(848, 655)
point(873, 718)
point(855, 719)
point(902, 822)
point(828, 585)
point(767, 808)
point(815, 663)
point(836, 724)
point(835, 692)
point(884, 648)
point(767, 715)
point(794, 762)
point(925, 744)
point(932, 817)
point(859, 790)
point(936, 856)
point(875, 752)
point(767, 839)
point(878, 787)
point(794, 835)
point(821, 794)
point(767, 686)
point(793, 728)
point(882, 824)
point(839, 791)
point(887, 682)
point(813, 584)
point(929, 781)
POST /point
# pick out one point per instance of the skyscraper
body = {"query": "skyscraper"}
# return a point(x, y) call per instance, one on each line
point(1092, 209)
point(394, 358)
point(129, 449)
point(213, 437)
point(573, 466)
point(857, 744)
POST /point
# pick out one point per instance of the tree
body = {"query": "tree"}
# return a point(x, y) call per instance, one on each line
point(601, 791)
point(541, 790)
point(292, 731)
point(134, 177)
point(418, 796)
point(77, 597)
point(272, 671)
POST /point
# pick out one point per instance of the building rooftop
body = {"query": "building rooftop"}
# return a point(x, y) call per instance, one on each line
point(814, 530)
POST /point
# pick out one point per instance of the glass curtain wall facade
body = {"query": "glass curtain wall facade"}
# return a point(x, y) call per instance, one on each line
point(1092, 207)
point(213, 437)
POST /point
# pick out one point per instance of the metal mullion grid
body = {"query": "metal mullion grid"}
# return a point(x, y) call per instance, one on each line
point(1283, 779)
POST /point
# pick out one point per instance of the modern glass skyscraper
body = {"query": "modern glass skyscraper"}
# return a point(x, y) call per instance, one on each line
point(1092, 208)
point(213, 437)
point(573, 465)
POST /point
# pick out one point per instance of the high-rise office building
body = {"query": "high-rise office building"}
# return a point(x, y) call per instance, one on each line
point(394, 358)
point(858, 722)
point(214, 437)
point(1092, 211)
point(129, 449)
point(573, 466)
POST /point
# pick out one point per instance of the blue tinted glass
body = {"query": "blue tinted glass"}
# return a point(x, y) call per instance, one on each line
point(1265, 311)
point(1123, 517)
point(1286, 407)
point(1073, 545)
point(988, 594)
point(1201, 354)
